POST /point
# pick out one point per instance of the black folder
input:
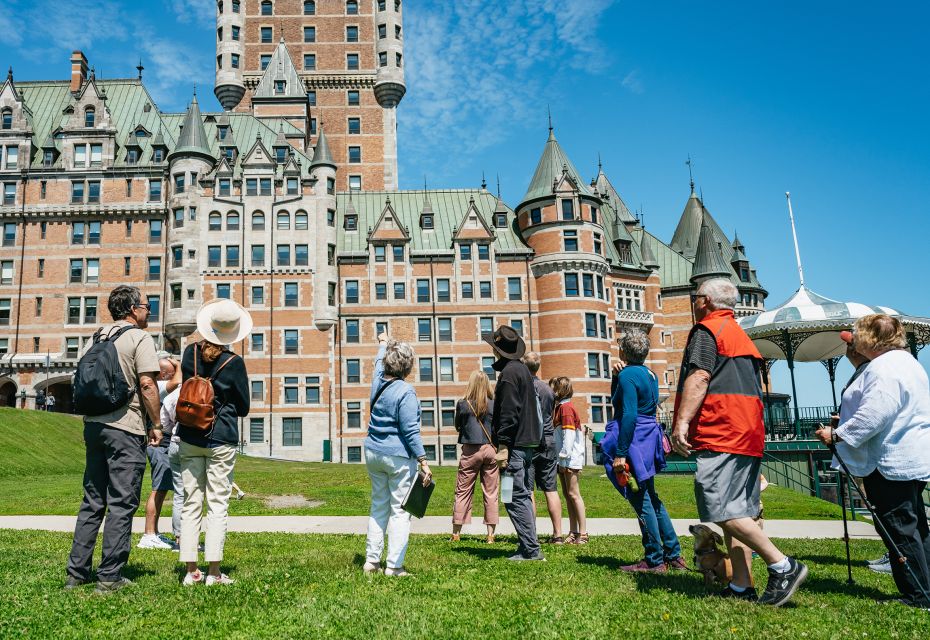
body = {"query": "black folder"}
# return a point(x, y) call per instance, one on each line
point(418, 496)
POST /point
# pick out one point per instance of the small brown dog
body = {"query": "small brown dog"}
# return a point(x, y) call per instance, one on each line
point(708, 559)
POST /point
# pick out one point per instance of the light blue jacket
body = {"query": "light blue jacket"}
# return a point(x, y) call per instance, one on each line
point(394, 426)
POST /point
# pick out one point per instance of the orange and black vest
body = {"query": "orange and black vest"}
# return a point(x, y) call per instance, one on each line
point(730, 419)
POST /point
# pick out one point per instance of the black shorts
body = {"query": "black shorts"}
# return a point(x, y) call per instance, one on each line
point(545, 467)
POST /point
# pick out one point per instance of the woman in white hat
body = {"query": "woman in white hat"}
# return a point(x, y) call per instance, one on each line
point(208, 451)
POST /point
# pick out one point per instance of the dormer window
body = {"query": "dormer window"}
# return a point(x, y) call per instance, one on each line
point(140, 133)
point(744, 274)
point(7, 119)
point(48, 158)
point(221, 132)
point(500, 220)
point(90, 116)
point(229, 153)
point(279, 86)
point(568, 210)
point(158, 154)
point(351, 222)
point(280, 155)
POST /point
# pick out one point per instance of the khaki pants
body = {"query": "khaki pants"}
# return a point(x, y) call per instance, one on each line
point(476, 459)
point(205, 471)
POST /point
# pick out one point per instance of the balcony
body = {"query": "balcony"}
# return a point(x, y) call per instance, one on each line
point(625, 316)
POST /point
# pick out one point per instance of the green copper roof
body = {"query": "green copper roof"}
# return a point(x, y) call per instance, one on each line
point(280, 69)
point(709, 261)
point(648, 257)
point(674, 269)
point(448, 209)
point(612, 196)
point(551, 165)
point(192, 138)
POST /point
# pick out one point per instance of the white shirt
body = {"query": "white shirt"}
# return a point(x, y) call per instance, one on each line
point(885, 419)
point(169, 405)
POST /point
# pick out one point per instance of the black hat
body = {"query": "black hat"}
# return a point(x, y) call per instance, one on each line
point(507, 342)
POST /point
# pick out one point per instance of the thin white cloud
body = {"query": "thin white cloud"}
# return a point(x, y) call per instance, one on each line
point(172, 71)
point(197, 11)
point(632, 82)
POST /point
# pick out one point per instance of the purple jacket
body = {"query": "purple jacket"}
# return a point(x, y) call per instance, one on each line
point(646, 457)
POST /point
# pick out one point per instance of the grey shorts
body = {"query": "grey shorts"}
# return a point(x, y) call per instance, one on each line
point(726, 486)
point(545, 467)
point(162, 480)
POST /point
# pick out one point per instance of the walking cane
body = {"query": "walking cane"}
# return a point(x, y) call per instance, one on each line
point(839, 477)
point(881, 527)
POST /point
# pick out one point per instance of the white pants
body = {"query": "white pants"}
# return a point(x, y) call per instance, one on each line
point(177, 502)
point(205, 472)
point(390, 480)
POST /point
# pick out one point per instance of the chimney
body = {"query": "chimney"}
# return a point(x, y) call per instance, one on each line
point(78, 71)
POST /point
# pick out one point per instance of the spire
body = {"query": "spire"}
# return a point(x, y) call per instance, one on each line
point(9, 74)
point(321, 155)
point(739, 254)
point(685, 239)
point(708, 261)
point(551, 165)
point(690, 174)
point(140, 68)
point(193, 138)
point(648, 257)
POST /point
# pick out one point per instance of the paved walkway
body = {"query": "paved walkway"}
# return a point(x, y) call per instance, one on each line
point(443, 525)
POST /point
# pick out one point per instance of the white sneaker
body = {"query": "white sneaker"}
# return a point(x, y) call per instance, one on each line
point(220, 579)
point(398, 572)
point(193, 578)
point(152, 541)
point(885, 559)
point(371, 568)
point(881, 568)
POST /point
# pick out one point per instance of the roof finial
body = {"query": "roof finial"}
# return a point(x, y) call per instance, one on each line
point(424, 182)
point(549, 113)
point(690, 175)
point(794, 233)
point(9, 74)
point(484, 183)
point(599, 166)
point(93, 74)
point(140, 68)
point(498, 186)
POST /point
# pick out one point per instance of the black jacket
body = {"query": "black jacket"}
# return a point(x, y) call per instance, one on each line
point(516, 421)
point(470, 431)
point(230, 398)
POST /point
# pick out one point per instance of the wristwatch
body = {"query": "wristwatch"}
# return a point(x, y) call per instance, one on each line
point(833, 437)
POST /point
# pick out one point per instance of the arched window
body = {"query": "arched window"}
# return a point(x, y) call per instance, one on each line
point(267, 8)
point(7, 118)
point(216, 221)
point(284, 220)
point(309, 7)
point(258, 221)
point(232, 221)
point(89, 117)
point(352, 8)
point(300, 220)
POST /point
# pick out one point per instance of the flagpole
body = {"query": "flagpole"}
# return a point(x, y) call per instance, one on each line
point(794, 233)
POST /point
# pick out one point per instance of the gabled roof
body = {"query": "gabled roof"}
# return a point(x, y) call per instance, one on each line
point(479, 231)
point(193, 138)
point(279, 68)
point(258, 155)
point(388, 227)
point(709, 261)
point(551, 165)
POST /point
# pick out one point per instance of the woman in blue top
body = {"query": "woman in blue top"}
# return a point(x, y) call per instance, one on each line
point(639, 444)
point(392, 449)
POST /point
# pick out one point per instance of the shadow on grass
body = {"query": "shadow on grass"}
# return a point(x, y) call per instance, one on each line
point(484, 553)
point(134, 572)
point(833, 560)
point(816, 584)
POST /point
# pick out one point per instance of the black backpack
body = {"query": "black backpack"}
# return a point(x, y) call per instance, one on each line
point(99, 384)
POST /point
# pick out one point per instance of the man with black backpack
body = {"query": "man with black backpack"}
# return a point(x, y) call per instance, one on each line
point(115, 389)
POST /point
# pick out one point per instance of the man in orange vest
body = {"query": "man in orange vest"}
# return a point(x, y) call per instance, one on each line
point(718, 415)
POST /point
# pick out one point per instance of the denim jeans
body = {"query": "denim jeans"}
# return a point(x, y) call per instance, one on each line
point(177, 503)
point(659, 538)
point(390, 477)
point(520, 508)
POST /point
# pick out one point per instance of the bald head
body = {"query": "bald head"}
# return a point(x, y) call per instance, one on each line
point(166, 369)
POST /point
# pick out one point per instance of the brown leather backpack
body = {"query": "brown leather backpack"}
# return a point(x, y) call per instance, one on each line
point(195, 400)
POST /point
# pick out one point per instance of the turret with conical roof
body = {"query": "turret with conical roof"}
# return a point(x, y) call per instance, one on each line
point(193, 139)
point(322, 157)
point(648, 256)
point(553, 164)
point(709, 261)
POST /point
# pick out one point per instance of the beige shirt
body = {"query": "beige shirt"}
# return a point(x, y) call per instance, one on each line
point(137, 355)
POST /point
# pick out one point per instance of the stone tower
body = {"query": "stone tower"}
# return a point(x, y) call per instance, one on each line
point(348, 55)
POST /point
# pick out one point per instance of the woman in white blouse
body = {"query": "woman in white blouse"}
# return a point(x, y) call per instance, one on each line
point(884, 437)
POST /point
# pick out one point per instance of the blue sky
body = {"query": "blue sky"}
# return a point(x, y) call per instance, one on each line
point(827, 100)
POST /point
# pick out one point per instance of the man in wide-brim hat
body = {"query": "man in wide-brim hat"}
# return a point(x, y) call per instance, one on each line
point(517, 434)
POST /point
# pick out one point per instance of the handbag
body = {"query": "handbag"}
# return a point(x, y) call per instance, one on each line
point(666, 443)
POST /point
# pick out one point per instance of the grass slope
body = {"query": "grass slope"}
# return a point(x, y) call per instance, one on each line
point(42, 462)
point(305, 586)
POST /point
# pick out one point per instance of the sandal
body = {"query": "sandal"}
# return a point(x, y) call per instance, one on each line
point(556, 540)
point(455, 537)
point(490, 539)
point(581, 538)
point(571, 537)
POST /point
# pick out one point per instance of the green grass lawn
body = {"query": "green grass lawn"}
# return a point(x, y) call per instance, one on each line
point(42, 462)
point(310, 586)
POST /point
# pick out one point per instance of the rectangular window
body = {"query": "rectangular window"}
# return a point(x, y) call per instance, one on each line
point(351, 34)
point(96, 155)
point(568, 210)
point(179, 183)
point(290, 294)
point(93, 269)
point(266, 35)
point(485, 288)
point(571, 284)
point(517, 325)
point(284, 255)
point(154, 190)
point(310, 36)
point(74, 310)
point(353, 371)
point(290, 391)
point(605, 365)
point(570, 237)
point(468, 290)
point(381, 327)
point(353, 415)
point(235, 33)
point(78, 230)
point(312, 390)
point(223, 291)
point(486, 327)
point(514, 289)
point(292, 432)
point(331, 254)
point(590, 325)
point(258, 255)
point(41, 268)
point(352, 331)
point(423, 290)
point(80, 156)
point(256, 430)
point(587, 285)
point(447, 418)
point(380, 291)
point(355, 183)
point(352, 98)
point(444, 326)
point(603, 324)
point(76, 271)
point(424, 329)
point(232, 255)
point(265, 186)
point(400, 291)
point(449, 451)
point(77, 192)
point(351, 296)
point(72, 347)
point(445, 370)
point(442, 290)
point(465, 252)
point(251, 186)
point(175, 296)
point(177, 256)
point(484, 252)
point(258, 295)
point(382, 59)
point(178, 217)
point(154, 272)
point(214, 256)
point(355, 125)
point(355, 155)
point(352, 62)
point(354, 454)
point(594, 365)
point(309, 61)
point(426, 370)
point(93, 191)
point(9, 193)
point(600, 286)
point(487, 365)
point(90, 311)
point(379, 253)
point(293, 186)
point(154, 308)
point(225, 188)
point(598, 245)
point(290, 341)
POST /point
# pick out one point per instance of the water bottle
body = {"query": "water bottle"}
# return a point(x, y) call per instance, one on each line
point(507, 488)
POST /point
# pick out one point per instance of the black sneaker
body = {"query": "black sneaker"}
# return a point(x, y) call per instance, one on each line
point(747, 594)
point(519, 557)
point(115, 585)
point(782, 586)
point(74, 583)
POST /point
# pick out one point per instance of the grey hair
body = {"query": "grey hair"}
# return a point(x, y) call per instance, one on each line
point(635, 346)
point(398, 359)
point(531, 360)
point(720, 292)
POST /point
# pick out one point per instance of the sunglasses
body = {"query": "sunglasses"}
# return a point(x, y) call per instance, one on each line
point(694, 297)
point(145, 306)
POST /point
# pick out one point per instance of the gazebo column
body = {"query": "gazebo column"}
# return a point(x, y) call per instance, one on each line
point(830, 364)
point(789, 352)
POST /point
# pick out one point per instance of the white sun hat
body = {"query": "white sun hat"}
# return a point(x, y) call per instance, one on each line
point(223, 322)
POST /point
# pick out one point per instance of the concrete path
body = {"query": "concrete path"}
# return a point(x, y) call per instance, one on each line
point(443, 525)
